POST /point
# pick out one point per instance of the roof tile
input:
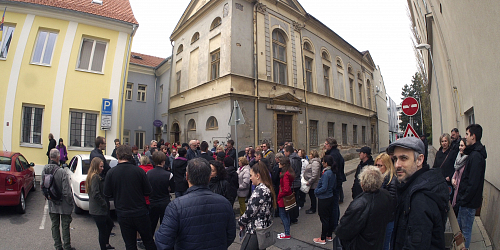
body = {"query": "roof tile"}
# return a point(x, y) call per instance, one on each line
point(149, 61)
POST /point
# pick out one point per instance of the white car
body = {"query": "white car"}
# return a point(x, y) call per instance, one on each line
point(77, 171)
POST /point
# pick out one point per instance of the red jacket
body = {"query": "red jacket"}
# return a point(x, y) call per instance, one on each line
point(146, 168)
point(285, 188)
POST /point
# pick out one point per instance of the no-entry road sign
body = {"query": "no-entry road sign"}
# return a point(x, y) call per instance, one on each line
point(409, 106)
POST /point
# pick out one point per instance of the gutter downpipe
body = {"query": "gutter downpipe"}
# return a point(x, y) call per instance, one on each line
point(256, 76)
point(134, 29)
point(155, 104)
point(305, 90)
point(169, 90)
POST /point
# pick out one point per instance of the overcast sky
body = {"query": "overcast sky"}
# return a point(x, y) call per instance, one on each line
point(381, 26)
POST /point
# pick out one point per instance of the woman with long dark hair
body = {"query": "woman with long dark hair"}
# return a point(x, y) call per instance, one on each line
point(287, 176)
point(63, 153)
point(328, 200)
point(259, 213)
point(218, 183)
point(98, 205)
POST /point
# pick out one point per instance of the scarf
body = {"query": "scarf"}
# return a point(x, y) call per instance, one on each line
point(460, 161)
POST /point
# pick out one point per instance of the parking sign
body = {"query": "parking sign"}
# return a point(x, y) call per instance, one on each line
point(107, 106)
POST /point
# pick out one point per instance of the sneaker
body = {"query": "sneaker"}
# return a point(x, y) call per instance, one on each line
point(140, 245)
point(310, 211)
point(284, 237)
point(329, 239)
point(319, 241)
point(279, 235)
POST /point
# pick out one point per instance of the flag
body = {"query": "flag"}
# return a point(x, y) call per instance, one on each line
point(1, 24)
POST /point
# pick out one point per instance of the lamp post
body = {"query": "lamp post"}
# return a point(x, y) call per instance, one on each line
point(424, 46)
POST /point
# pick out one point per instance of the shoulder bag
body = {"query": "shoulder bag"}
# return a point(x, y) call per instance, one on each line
point(289, 201)
point(265, 236)
point(458, 241)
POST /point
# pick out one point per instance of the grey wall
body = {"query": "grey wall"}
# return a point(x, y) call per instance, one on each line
point(162, 108)
point(242, 60)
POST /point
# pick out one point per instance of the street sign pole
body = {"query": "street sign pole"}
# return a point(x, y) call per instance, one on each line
point(237, 120)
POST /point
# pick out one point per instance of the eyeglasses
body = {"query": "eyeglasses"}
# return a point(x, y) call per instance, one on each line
point(379, 165)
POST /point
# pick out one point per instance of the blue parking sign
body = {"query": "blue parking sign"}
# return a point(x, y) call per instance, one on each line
point(107, 106)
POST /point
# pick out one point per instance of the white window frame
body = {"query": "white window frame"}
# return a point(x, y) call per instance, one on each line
point(129, 91)
point(44, 48)
point(31, 143)
point(139, 92)
point(215, 65)
point(82, 132)
point(143, 139)
point(2, 41)
point(126, 137)
point(89, 69)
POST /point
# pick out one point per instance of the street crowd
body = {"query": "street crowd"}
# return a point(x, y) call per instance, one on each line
point(399, 201)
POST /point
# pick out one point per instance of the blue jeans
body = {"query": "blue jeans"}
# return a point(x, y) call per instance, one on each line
point(285, 217)
point(465, 221)
point(388, 235)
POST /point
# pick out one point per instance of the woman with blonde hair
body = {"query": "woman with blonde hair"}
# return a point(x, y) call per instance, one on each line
point(243, 182)
point(384, 163)
point(98, 205)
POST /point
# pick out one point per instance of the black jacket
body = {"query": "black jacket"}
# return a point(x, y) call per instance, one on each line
point(179, 169)
point(363, 224)
point(191, 154)
point(446, 161)
point(232, 178)
point(296, 164)
point(199, 219)
point(52, 144)
point(114, 153)
point(98, 153)
point(456, 143)
point(391, 187)
point(421, 212)
point(356, 187)
point(161, 180)
point(339, 160)
point(221, 187)
point(470, 191)
point(207, 156)
point(232, 153)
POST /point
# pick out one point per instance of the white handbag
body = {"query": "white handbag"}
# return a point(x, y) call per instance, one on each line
point(303, 185)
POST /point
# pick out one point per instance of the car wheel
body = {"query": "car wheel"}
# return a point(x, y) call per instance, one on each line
point(77, 209)
point(21, 208)
point(33, 189)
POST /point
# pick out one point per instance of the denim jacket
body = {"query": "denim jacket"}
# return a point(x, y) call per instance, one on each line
point(326, 185)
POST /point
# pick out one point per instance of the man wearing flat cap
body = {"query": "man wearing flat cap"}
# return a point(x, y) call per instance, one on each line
point(422, 198)
point(365, 155)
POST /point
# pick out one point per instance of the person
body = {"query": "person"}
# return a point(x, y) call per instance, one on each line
point(311, 175)
point(445, 158)
point(260, 206)
point(62, 152)
point(331, 148)
point(214, 149)
point(230, 150)
point(421, 212)
point(384, 163)
point(161, 185)
point(145, 163)
point(59, 210)
point(128, 185)
point(285, 189)
point(296, 163)
point(98, 204)
point(192, 151)
point(281, 147)
point(364, 222)
point(327, 200)
point(153, 144)
point(275, 175)
point(117, 144)
point(243, 182)
point(232, 178)
point(179, 167)
point(52, 144)
point(365, 155)
point(251, 155)
point(204, 153)
point(258, 156)
point(172, 157)
point(460, 162)
point(136, 155)
point(456, 138)
point(186, 146)
point(470, 192)
point(268, 154)
point(218, 183)
point(100, 145)
point(199, 219)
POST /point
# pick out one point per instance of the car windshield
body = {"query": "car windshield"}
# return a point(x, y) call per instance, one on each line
point(5, 163)
point(86, 166)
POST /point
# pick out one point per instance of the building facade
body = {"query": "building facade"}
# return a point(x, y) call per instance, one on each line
point(393, 114)
point(461, 67)
point(58, 62)
point(294, 78)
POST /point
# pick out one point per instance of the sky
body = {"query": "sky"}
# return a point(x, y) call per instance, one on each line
point(381, 26)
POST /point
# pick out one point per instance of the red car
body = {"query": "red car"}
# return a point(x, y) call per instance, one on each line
point(17, 178)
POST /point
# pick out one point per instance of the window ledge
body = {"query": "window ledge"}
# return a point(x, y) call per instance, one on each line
point(30, 145)
point(89, 71)
point(74, 148)
point(41, 64)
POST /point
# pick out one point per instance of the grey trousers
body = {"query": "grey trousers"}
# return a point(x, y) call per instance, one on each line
point(64, 220)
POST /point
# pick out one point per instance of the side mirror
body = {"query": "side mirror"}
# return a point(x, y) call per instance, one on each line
point(64, 165)
point(32, 164)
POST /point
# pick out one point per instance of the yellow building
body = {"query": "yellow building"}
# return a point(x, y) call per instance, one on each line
point(58, 61)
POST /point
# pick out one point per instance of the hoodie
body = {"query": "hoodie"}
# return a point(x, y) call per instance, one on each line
point(470, 191)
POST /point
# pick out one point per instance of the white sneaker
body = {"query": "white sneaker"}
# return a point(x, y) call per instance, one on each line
point(280, 235)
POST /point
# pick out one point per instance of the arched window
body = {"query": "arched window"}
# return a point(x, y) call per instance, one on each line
point(180, 49)
point(212, 123)
point(279, 57)
point(191, 125)
point(175, 132)
point(340, 80)
point(215, 23)
point(325, 56)
point(195, 38)
point(307, 46)
point(349, 70)
point(339, 63)
point(360, 90)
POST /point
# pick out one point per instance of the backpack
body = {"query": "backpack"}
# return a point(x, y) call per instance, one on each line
point(49, 188)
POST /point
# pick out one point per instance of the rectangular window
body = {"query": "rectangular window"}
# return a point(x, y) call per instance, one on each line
point(369, 95)
point(355, 134)
point(326, 79)
point(128, 91)
point(344, 134)
point(32, 125)
point(141, 93)
point(373, 133)
point(470, 116)
point(83, 129)
point(309, 74)
point(44, 47)
point(126, 137)
point(215, 65)
point(8, 33)
point(331, 129)
point(363, 135)
point(351, 89)
point(313, 132)
point(161, 94)
point(92, 55)
point(139, 139)
point(360, 88)
point(178, 81)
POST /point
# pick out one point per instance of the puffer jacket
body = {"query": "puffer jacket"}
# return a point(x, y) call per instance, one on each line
point(199, 219)
point(312, 172)
point(421, 213)
point(61, 180)
point(296, 163)
point(363, 224)
point(243, 181)
point(470, 192)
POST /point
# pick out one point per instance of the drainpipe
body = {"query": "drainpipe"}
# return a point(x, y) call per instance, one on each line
point(154, 105)
point(169, 93)
point(256, 76)
point(134, 29)
point(305, 92)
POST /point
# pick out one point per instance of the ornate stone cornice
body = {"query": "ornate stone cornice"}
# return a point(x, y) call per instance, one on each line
point(297, 26)
point(261, 8)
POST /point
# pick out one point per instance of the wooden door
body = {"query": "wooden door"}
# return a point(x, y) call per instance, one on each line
point(284, 128)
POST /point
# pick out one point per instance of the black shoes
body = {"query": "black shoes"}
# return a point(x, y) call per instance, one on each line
point(310, 211)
